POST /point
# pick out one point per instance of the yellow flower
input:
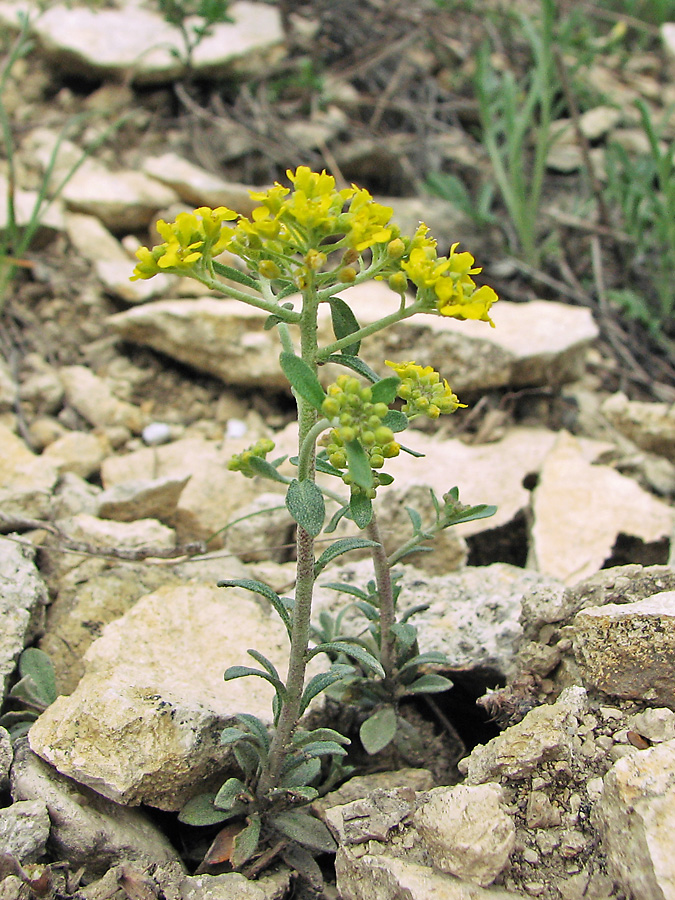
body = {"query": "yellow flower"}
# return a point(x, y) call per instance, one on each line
point(474, 306)
point(423, 392)
point(367, 221)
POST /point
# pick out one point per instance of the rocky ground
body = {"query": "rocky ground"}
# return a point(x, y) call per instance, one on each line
point(121, 402)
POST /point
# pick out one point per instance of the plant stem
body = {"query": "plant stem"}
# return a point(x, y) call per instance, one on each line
point(400, 314)
point(304, 588)
point(386, 598)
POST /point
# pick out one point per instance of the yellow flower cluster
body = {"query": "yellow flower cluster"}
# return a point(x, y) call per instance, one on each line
point(448, 279)
point(193, 237)
point(241, 462)
point(423, 392)
point(349, 404)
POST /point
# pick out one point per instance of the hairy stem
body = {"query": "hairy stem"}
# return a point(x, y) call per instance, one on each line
point(386, 598)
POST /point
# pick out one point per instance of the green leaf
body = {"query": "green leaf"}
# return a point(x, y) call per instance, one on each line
point(322, 465)
point(324, 748)
point(323, 680)
point(360, 510)
point(396, 420)
point(37, 673)
point(301, 861)
point(335, 520)
point(301, 773)
point(371, 612)
point(343, 545)
point(432, 657)
point(415, 518)
point(234, 275)
point(385, 478)
point(303, 380)
point(379, 730)
point(384, 391)
point(344, 324)
point(256, 728)
point(413, 610)
point(229, 794)
point(346, 589)
point(305, 503)
point(232, 735)
point(266, 470)
point(429, 684)
point(259, 587)
point(243, 671)
point(246, 842)
point(409, 451)
point(359, 464)
point(248, 756)
point(201, 811)
point(306, 830)
point(481, 511)
point(321, 734)
point(355, 364)
point(405, 634)
point(353, 650)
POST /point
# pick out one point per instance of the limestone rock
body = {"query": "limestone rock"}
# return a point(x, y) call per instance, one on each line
point(267, 535)
point(6, 756)
point(472, 616)
point(233, 886)
point(466, 831)
point(197, 186)
point(22, 604)
point(610, 505)
point(628, 650)
point(143, 725)
point(26, 480)
point(24, 830)
point(79, 452)
point(546, 733)
point(86, 829)
point(636, 813)
point(108, 535)
point(211, 498)
point(131, 500)
point(136, 42)
point(51, 220)
point(534, 343)
point(366, 877)
point(657, 725)
point(649, 425)
point(94, 400)
point(361, 786)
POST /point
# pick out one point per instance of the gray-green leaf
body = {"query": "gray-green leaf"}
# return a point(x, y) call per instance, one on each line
point(306, 830)
point(303, 380)
point(305, 503)
point(379, 730)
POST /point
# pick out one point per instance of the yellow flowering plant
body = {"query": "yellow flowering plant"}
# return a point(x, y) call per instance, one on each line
point(303, 246)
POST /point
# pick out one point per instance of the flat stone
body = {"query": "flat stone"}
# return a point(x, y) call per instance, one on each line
point(636, 814)
point(628, 650)
point(571, 491)
point(144, 723)
point(94, 400)
point(649, 425)
point(24, 830)
point(198, 186)
point(26, 480)
point(79, 452)
point(657, 725)
point(546, 733)
point(466, 831)
point(370, 877)
point(82, 821)
point(147, 535)
point(211, 498)
point(131, 500)
point(540, 342)
point(23, 600)
point(473, 615)
point(138, 43)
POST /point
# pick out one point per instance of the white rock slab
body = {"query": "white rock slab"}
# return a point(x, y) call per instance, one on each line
point(581, 509)
point(213, 495)
point(534, 343)
point(26, 480)
point(199, 186)
point(94, 400)
point(636, 813)
point(649, 425)
point(51, 220)
point(143, 725)
point(110, 536)
point(628, 649)
point(131, 500)
point(23, 599)
point(139, 42)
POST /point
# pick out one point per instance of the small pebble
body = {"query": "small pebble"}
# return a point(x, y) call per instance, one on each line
point(156, 433)
point(236, 428)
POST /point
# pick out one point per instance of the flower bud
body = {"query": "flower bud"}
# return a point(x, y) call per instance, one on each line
point(350, 256)
point(315, 259)
point(347, 274)
point(395, 248)
point(269, 269)
point(398, 282)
